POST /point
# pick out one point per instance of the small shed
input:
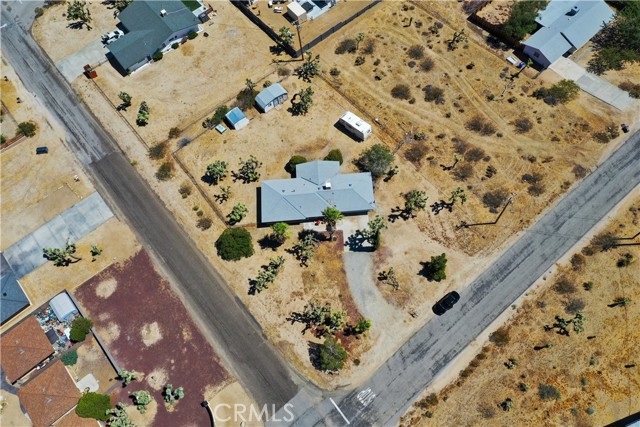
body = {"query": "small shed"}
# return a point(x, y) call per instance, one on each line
point(296, 12)
point(236, 119)
point(270, 97)
point(63, 307)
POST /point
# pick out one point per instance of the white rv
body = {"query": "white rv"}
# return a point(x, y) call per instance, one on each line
point(355, 125)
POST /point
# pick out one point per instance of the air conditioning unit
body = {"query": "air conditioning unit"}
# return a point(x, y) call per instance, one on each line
point(327, 185)
point(163, 12)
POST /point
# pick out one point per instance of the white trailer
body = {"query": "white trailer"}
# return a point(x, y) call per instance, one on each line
point(355, 125)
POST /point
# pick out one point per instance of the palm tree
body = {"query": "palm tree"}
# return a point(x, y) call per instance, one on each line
point(331, 216)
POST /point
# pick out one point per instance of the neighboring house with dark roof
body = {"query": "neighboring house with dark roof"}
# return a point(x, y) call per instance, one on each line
point(23, 347)
point(49, 395)
point(566, 26)
point(270, 97)
point(12, 298)
point(317, 186)
point(150, 26)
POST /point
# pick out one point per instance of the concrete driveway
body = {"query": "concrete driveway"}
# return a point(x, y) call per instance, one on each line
point(72, 66)
point(592, 84)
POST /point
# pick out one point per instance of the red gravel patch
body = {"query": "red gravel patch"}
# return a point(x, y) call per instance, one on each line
point(174, 345)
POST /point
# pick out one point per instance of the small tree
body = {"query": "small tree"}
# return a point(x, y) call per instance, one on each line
point(334, 155)
point(80, 328)
point(621, 302)
point(458, 37)
point(301, 102)
point(95, 251)
point(280, 232)
point(458, 194)
point(78, 11)
point(218, 116)
point(389, 277)
point(143, 114)
point(436, 268)
point(234, 244)
point(141, 399)
point(362, 326)
point(94, 405)
point(238, 213)
point(377, 159)
point(27, 129)
point(126, 100)
point(249, 85)
point(359, 39)
point(309, 68)
point(293, 162)
point(225, 193)
point(62, 257)
point(216, 172)
point(414, 200)
point(332, 355)
point(70, 358)
point(331, 216)
point(286, 36)
point(374, 227)
point(118, 416)
point(248, 171)
point(127, 376)
point(304, 250)
point(171, 395)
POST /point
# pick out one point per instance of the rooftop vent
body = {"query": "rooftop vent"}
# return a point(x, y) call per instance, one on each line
point(573, 11)
point(326, 185)
point(163, 12)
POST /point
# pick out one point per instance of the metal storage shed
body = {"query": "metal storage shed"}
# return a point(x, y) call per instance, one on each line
point(296, 12)
point(63, 307)
point(236, 118)
point(270, 97)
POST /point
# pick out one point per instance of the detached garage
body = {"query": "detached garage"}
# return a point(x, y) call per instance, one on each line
point(271, 97)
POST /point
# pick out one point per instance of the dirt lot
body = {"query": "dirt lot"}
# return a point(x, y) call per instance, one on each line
point(595, 369)
point(10, 413)
point(157, 338)
point(92, 360)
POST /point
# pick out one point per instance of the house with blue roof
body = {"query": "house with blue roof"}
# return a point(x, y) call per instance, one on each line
point(317, 186)
point(566, 26)
point(150, 26)
point(271, 97)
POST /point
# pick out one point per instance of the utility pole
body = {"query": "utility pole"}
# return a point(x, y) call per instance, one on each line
point(298, 27)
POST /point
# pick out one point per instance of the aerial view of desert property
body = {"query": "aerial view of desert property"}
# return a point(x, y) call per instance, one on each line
point(310, 213)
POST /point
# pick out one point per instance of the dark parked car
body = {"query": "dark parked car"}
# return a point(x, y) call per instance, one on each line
point(446, 303)
point(42, 150)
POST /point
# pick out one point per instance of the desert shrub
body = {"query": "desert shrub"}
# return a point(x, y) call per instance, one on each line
point(427, 65)
point(578, 262)
point(234, 244)
point(625, 261)
point(158, 151)
point(548, 392)
point(369, 46)
point(560, 93)
point(284, 71)
point(433, 93)
point(157, 56)
point(580, 171)
point(80, 327)
point(475, 154)
point(70, 358)
point(204, 223)
point(335, 155)
point(500, 337)
point(334, 71)
point(416, 51)
point(632, 88)
point(573, 306)
point(165, 171)
point(416, 153)
point(359, 60)
point(590, 410)
point(609, 133)
point(401, 91)
point(175, 46)
point(38, 12)
point(564, 286)
point(377, 159)
point(463, 172)
point(27, 129)
point(536, 190)
point(494, 199)
point(293, 162)
point(174, 132)
point(460, 145)
point(192, 35)
point(185, 190)
point(94, 405)
point(603, 242)
point(480, 125)
point(346, 46)
point(523, 125)
point(587, 286)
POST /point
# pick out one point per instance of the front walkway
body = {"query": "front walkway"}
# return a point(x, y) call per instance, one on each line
point(592, 84)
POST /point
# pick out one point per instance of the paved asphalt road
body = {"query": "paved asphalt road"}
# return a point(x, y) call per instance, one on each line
point(384, 398)
point(239, 338)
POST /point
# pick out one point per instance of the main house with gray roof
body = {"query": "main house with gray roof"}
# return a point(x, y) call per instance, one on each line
point(150, 26)
point(317, 186)
point(567, 25)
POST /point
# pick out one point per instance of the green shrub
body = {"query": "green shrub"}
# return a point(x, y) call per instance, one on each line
point(94, 405)
point(70, 358)
point(500, 337)
point(401, 91)
point(165, 171)
point(346, 46)
point(158, 151)
point(175, 45)
point(157, 56)
point(632, 88)
point(293, 162)
point(522, 18)
point(436, 268)
point(416, 51)
point(332, 355)
point(80, 327)
point(27, 129)
point(192, 35)
point(548, 392)
point(334, 155)
point(234, 244)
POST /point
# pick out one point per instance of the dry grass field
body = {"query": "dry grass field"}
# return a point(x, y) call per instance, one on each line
point(594, 369)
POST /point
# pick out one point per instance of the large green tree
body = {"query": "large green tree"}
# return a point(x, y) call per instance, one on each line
point(436, 269)
point(78, 11)
point(522, 18)
point(332, 355)
point(377, 159)
point(618, 42)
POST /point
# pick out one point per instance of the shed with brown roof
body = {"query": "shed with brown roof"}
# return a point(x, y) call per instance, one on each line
point(23, 347)
point(50, 395)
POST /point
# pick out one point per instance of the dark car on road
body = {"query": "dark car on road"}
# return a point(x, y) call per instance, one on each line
point(446, 303)
point(42, 150)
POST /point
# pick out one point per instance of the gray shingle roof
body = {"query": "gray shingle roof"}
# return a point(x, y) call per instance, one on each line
point(147, 30)
point(12, 297)
point(306, 196)
point(269, 94)
point(550, 42)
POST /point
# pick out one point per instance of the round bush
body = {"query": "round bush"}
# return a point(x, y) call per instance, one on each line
point(157, 56)
point(175, 45)
point(80, 327)
point(94, 405)
point(70, 358)
point(234, 244)
point(335, 155)
point(293, 162)
point(192, 35)
point(401, 91)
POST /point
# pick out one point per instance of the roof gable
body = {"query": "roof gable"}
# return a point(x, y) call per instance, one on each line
point(319, 171)
point(23, 347)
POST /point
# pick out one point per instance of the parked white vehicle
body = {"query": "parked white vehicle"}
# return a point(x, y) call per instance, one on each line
point(112, 36)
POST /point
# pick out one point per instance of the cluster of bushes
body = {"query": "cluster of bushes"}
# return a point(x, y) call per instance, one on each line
point(523, 124)
point(632, 88)
point(522, 18)
point(494, 199)
point(536, 188)
point(609, 133)
point(433, 94)
point(618, 42)
point(401, 91)
point(480, 125)
point(560, 93)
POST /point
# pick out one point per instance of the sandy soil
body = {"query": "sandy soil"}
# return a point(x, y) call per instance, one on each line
point(607, 384)
point(10, 413)
point(92, 360)
point(28, 200)
point(147, 298)
point(223, 403)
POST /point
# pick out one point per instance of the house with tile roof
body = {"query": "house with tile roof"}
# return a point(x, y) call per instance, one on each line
point(49, 395)
point(150, 26)
point(566, 26)
point(23, 347)
point(317, 186)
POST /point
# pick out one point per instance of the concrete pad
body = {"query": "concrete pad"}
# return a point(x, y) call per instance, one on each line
point(73, 224)
point(72, 66)
point(568, 69)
